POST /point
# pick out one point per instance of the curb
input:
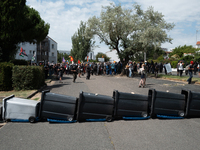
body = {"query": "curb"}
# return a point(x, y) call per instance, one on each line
point(31, 95)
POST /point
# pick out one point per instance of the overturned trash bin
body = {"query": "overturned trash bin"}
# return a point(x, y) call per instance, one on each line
point(94, 107)
point(167, 105)
point(193, 103)
point(57, 108)
point(20, 110)
point(131, 106)
point(1, 107)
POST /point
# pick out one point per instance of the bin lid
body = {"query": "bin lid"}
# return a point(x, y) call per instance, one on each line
point(59, 98)
point(21, 101)
point(129, 96)
point(160, 94)
point(96, 98)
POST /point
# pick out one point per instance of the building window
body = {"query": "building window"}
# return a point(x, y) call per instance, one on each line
point(52, 46)
point(33, 52)
point(30, 51)
point(52, 54)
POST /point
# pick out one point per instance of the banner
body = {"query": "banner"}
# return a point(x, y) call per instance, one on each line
point(168, 67)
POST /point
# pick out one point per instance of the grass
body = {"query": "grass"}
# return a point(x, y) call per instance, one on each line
point(178, 78)
point(22, 94)
point(36, 99)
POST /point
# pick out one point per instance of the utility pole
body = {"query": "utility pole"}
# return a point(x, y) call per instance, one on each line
point(196, 35)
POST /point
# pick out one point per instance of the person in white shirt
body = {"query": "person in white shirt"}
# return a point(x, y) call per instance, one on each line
point(180, 68)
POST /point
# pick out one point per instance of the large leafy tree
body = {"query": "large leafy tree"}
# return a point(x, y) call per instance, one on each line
point(129, 30)
point(19, 23)
point(102, 55)
point(81, 45)
point(180, 50)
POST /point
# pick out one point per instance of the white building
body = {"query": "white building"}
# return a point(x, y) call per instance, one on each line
point(91, 56)
point(113, 55)
point(46, 51)
point(52, 51)
point(28, 48)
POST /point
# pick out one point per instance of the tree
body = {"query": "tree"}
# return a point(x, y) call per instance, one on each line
point(129, 31)
point(81, 45)
point(180, 50)
point(19, 23)
point(102, 55)
point(61, 55)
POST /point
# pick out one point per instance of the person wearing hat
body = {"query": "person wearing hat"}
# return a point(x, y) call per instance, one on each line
point(190, 69)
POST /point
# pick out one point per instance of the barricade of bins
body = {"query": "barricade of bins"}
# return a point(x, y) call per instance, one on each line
point(94, 107)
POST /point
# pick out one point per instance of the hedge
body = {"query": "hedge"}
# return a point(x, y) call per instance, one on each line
point(28, 77)
point(19, 62)
point(6, 76)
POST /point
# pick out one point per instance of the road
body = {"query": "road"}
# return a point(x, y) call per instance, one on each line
point(149, 134)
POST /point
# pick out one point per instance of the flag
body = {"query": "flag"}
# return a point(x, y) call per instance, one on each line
point(33, 58)
point(87, 58)
point(72, 59)
point(63, 60)
point(22, 52)
point(79, 62)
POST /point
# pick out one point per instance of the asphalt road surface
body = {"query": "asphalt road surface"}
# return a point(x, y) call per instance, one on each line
point(152, 134)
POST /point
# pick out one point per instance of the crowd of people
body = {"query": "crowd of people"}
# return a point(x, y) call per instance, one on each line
point(115, 68)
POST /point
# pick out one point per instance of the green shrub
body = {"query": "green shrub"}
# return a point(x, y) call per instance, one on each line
point(174, 64)
point(19, 62)
point(5, 76)
point(28, 77)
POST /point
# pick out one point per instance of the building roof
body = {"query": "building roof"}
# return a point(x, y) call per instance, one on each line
point(198, 43)
point(51, 39)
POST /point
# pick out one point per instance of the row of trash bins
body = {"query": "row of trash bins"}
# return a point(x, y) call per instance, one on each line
point(94, 107)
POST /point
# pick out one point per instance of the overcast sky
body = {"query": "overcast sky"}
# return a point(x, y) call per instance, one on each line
point(64, 17)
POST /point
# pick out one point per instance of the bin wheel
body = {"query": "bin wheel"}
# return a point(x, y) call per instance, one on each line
point(31, 119)
point(70, 119)
point(144, 115)
point(181, 114)
point(108, 119)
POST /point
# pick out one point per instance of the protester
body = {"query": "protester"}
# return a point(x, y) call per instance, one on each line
point(156, 69)
point(190, 69)
point(74, 72)
point(198, 68)
point(177, 66)
point(142, 72)
point(79, 70)
point(60, 72)
point(127, 69)
point(88, 69)
point(180, 68)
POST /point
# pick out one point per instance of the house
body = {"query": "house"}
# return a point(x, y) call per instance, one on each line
point(198, 44)
point(46, 51)
point(91, 56)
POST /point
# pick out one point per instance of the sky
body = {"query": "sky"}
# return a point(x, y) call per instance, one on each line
point(64, 17)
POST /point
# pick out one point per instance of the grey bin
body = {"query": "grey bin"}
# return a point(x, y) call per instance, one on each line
point(167, 104)
point(131, 105)
point(20, 109)
point(1, 107)
point(94, 106)
point(57, 106)
point(193, 103)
